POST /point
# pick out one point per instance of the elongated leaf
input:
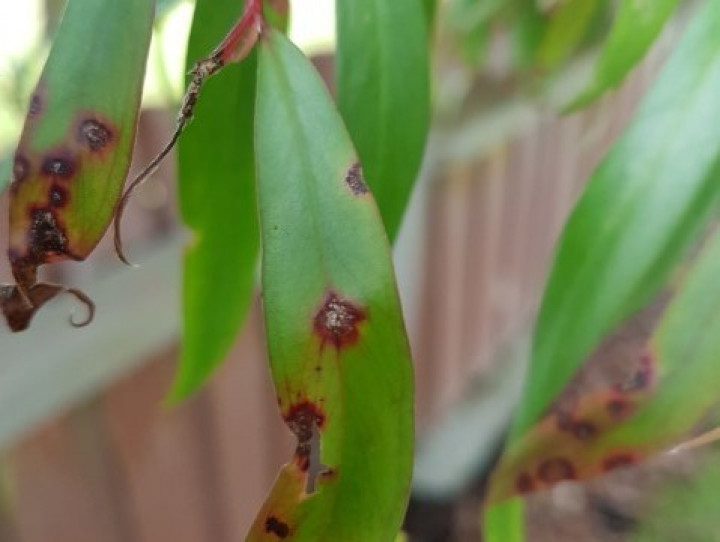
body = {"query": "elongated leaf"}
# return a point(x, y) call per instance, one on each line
point(74, 153)
point(80, 128)
point(674, 385)
point(642, 206)
point(566, 29)
point(339, 357)
point(430, 10)
point(383, 94)
point(217, 199)
point(505, 522)
point(637, 24)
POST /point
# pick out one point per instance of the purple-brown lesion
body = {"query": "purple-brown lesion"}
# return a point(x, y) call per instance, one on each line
point(355, 180)
point(338, 321)
point(555, 470)
point(95, 134)
point(618, 460)
point(36, 105)
point(304, 418)
point(277, 527)
point(59, 164)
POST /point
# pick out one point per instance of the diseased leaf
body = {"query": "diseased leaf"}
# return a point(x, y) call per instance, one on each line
point(643, 205)
point(217, 200)
point(637, 24)
point(383, 94)
point(74, 153)
point(338, 352)
point(674, 385)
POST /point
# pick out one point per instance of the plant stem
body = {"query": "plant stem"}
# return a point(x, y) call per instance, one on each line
point(236, 45)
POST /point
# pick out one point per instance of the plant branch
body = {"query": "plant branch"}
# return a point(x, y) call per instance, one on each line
point(236, 45)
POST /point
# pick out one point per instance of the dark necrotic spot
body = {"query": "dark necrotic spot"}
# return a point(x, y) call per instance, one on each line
point(305, 419)
point(338, 320)
point(279, 528)
point(94, 134)
point(35, 105)
point(584, 430)
point(58, 196)
point(58, 166)
point(618, 408)
point(355, 181)
point(21, 168)
point(556, 470)
point(617, 461)
point(302, 417)
point(524, 483)
point(46, 236)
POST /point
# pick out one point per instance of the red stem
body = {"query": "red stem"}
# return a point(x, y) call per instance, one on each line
point(251, 16)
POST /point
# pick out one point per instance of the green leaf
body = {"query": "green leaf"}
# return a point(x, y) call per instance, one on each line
point(70, 165)
point(528, 29)
point(383, 94)
point(637, 24)
point(338, 352)
point(82, 121)
point(672, 387)
point(217, 200)
point(505, 522)
point(686, 346)
point(645, 202)
point(567, 27)
point(430, 7)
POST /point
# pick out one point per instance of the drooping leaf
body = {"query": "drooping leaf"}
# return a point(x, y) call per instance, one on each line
point(338, 352)
point(470, 23)
point(74, 153)
point(674, 385)
point(643, 205)
point(566, 29)
point(528, 26)
point(383, 94)
point(217, 199)
point(505, 522)
point(637, 24)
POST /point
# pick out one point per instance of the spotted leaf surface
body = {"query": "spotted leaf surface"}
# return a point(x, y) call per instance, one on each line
point(384, 94)
point(74, 153)
point(339, 356)
point(670, 389)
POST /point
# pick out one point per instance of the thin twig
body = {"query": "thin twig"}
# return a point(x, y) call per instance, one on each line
point(234, 47)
